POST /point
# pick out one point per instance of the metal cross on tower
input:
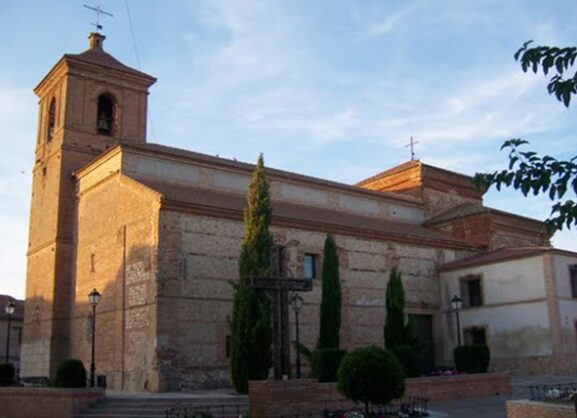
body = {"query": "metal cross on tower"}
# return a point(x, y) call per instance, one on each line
point(279, 285)
point(98, 12)
point(412, 145)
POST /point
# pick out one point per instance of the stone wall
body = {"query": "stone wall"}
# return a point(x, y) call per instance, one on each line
point(46, 403)
point(199, 257)
point(116, 254)
point(532, 409)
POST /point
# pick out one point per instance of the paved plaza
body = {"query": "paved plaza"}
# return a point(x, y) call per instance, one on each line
point(494, 407)
point(490, 407)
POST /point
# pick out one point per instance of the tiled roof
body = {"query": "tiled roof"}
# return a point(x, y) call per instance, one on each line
point(307, 215)
point(470, 209)
point(460, 211)
point(407, 165)
point(501, 255)
point(157, 148)
point(18, 312)
point(104, 59)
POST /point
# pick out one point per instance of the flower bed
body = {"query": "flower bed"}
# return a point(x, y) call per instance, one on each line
point(561, 393)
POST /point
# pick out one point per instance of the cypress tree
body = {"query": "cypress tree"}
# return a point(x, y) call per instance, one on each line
point(251, 330)
point(330, 322)
point(395, 334)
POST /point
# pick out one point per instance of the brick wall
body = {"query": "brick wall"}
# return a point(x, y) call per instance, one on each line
point(531, 409)
point(45, 402)
point(271, 398)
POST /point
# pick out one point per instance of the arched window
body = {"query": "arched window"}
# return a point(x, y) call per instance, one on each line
point(51, 121)
point(105, 117)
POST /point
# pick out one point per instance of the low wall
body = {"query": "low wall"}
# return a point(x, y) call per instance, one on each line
point(273, 398)
point(18, 402)
point(532, 409)
point(462, 386)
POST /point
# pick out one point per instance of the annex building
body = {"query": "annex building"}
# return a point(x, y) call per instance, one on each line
point(157, 231)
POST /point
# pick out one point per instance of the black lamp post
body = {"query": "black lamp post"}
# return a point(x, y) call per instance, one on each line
point(457, 303)
point(10, 308)
point(94, 298)
point(297, 303)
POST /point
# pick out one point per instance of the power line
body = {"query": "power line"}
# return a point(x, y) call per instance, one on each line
point(149, 117)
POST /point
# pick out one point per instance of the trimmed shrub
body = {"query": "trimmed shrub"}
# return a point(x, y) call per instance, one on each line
point(472, 358)
point(6, 374)
point(409, 359)
point(71, 374)
point(325, 363)
point(371, 375)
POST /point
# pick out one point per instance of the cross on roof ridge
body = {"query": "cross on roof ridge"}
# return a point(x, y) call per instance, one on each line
point(98, 10)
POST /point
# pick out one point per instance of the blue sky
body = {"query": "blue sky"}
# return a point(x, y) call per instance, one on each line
point(328, 88)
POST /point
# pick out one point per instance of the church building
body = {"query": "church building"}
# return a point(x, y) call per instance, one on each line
point(157, 231)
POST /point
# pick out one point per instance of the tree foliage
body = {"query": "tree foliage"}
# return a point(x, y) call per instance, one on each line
point(371, 375)
point(331, 299)
point(394, 331)
point(527, 171)
point(251, 330)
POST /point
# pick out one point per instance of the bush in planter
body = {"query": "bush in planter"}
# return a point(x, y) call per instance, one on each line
point(472, 358)
point(71, 374)
point(6, 374)
point(409, 359)
point(371, 375)
point(325, 363)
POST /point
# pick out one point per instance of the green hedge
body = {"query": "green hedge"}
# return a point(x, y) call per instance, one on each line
point(472, 358)
point(409, 359)
point(6, 374)
point(325, 363)
point(71, 374)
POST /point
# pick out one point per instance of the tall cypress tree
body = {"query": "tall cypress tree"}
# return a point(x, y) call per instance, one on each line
point(330, 323)
point(251, 331)
point(395, 304)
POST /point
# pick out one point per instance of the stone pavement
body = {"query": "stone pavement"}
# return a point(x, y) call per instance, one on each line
point(494, 406)
point(491, 407)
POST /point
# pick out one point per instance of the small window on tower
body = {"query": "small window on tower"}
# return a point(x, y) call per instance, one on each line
point(51, 122)
point(105, 119)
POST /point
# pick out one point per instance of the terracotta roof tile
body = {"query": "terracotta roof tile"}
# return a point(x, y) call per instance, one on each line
point(317, 216)
point(501, 255)
point(281, 173)
point(460, 211)
point(104, 59)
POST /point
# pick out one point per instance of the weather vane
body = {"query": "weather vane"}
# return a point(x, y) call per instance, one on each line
point(98, 11)
point(412, 145)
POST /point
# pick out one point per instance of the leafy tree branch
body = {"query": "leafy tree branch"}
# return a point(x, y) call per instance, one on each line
point(528, 171)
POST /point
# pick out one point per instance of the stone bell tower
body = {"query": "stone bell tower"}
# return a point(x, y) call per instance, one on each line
point(88, 102)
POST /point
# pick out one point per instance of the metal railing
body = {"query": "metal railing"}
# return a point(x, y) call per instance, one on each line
point(558, 393)
point(414, 407)
point(207, 411)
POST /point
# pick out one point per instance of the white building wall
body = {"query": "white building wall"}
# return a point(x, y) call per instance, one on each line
point(567, 304)
point(514, 311)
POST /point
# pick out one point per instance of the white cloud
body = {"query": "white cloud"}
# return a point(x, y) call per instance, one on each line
point(388, 23)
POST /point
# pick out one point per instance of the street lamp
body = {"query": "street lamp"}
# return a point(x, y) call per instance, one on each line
point(457, 303)
point(94, 298)
point(297, 303)
point(10, 308)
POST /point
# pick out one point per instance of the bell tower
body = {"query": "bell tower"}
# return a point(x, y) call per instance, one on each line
point(88, 102)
